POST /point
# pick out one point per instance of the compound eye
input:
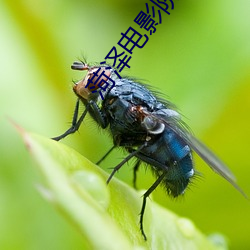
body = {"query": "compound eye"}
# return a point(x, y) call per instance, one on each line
point(97, 77)
point(152, 125)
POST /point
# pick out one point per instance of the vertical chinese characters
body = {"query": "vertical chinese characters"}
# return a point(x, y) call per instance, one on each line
point(132, 39)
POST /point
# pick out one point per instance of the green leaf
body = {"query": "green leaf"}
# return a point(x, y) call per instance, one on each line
point(106, 215)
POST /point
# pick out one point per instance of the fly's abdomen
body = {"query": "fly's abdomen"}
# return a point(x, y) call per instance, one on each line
point(170, 155)
point(180, 166)
point(178, 176)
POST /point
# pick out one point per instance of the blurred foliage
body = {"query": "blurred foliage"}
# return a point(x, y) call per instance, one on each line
point(199, 57)
point(102, 213)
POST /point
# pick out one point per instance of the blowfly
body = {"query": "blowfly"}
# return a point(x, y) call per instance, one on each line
point(148, 127)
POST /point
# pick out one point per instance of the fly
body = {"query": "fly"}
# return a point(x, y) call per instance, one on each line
point(149, 128)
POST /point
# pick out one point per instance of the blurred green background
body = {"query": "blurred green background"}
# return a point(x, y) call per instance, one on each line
point(199, 57)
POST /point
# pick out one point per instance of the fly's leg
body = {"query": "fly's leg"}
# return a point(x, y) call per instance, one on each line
point(145, 196)
point(93, 109)
point(105, 155)
point(97, 114)
point(124, 161)
point(75, 124)
point(136, 167)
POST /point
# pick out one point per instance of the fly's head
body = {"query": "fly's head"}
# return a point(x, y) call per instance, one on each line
point(95, 77)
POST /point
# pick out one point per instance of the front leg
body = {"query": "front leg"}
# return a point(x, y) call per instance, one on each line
point(95, 112)
point(75, 124)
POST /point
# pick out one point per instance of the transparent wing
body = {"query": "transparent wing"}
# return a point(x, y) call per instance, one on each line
point(175, 124)
point(208, 156)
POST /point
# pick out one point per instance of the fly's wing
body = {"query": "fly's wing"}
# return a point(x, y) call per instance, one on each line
point(212, 160)
point(175, 124)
